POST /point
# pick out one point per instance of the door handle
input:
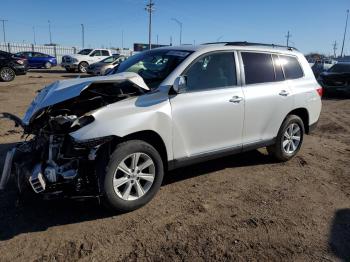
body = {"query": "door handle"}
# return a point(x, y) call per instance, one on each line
point(284, 93)
point(236, 99)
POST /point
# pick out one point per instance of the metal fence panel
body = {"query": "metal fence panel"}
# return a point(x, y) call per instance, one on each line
point(57, 51)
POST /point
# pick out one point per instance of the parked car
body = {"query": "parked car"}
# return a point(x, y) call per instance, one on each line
point(114, 136)
point(336, 80)
point(83, 59)
point(10, 66)
point(38, 60)
point(100, 68)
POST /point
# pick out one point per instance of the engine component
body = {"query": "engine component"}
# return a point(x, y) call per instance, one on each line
point(50, 174)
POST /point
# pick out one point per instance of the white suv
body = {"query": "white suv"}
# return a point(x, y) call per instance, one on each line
point(114, 136)
point(83, 59)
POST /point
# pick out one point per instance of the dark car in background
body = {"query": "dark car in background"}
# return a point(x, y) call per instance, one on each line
point(38, 60)
point(336, 80)
point(10, 66)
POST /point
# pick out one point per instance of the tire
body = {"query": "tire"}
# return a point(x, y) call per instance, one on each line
point(70, 70)
point(7, 74)
point(122, 190)
point(82, 67)
point(284, 149)
point(47, 65)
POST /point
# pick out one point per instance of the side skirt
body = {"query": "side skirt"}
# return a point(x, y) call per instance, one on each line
point(186, 161)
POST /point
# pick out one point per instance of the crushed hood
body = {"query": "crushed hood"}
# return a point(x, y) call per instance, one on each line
point(62, 90)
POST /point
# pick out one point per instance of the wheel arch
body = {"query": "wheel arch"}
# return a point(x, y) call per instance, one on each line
point(148, 136)
point(304, 115)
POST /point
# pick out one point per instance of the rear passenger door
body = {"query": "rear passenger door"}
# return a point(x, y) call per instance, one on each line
point(268, 98)
point(208, 115)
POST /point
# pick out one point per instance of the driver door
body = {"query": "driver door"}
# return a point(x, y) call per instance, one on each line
point(208, 116)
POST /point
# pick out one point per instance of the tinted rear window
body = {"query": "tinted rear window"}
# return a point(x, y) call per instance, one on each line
point(258, 68)
point(291, 67)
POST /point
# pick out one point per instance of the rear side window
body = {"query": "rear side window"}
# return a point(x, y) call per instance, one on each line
point(258, 68)
point(291, 67)
point(105, 53)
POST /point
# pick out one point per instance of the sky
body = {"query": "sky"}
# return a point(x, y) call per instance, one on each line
point(313, 24)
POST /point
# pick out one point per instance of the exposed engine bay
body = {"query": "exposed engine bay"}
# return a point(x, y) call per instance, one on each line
point(50, 159)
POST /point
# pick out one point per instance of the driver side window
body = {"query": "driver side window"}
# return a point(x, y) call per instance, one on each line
point(212, 71)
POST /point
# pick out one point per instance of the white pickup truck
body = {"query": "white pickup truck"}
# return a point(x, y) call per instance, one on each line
point(83, 59)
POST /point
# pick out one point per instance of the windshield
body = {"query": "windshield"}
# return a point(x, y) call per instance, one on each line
point(85, 52)
point(109, 59)
point(340, 68)
point(153, 66)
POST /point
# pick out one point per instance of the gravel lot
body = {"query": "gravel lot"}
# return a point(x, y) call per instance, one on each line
point(243, 207)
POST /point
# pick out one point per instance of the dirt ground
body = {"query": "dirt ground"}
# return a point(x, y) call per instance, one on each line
point(243, 207)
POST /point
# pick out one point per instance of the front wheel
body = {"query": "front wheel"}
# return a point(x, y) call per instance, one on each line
point(7, 74)
point(289, 139)
point(133, 176)
point(48, 65)
point(82, 67)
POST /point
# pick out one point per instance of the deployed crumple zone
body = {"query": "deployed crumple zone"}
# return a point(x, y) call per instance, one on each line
point(52, 159)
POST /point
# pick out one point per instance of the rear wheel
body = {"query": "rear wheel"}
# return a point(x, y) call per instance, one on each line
point(133, 176)
point(7, 74)
point(47, 65)
point(83, 67)
point(289, 139)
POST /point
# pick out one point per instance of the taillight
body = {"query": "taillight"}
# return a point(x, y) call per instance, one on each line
point(320, 91)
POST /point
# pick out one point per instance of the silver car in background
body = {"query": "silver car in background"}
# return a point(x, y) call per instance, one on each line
point(100, 68)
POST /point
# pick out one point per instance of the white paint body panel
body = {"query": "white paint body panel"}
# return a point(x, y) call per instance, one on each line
point(199, 122)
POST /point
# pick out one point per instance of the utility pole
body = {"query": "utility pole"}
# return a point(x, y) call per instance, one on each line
point(149, 8)
point(180, 25)
point(50, 31)
point(34, 35)
point(83, 34)
point(122, 39)
point(157, 40)
point(346, 26)
point(3, 28)
point(335, 49)
point(288, 36)
point(171, 40)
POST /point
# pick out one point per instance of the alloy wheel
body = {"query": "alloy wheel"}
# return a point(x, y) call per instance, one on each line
point(7, 74)
point(291, 138)
point(134, 176)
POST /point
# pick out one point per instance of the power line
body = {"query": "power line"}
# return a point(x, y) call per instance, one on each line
point(3, 28)
point(149, 8)
point(346, 25)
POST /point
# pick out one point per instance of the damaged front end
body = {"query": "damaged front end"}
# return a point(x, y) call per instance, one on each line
point(51, 162)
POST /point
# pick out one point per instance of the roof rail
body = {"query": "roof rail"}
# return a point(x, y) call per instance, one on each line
point(245, 43)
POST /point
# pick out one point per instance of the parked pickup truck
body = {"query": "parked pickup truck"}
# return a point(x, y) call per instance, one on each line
point(83, 59)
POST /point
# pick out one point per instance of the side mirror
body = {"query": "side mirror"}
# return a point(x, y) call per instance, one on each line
point(179, 84)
